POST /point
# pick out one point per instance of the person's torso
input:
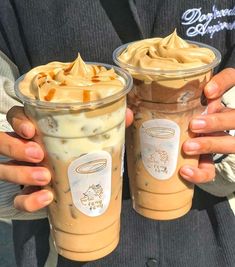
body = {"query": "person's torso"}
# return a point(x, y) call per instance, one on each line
point(50, 30)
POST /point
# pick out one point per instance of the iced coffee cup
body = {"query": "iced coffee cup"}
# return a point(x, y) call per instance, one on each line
point(79, 112)
point(169, 76)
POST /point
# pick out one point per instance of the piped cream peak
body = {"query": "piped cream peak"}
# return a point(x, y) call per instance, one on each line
point(169, 53)
point(70, 82)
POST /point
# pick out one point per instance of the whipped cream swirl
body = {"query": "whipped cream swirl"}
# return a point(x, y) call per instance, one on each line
point(169, 53)
point(70, 82)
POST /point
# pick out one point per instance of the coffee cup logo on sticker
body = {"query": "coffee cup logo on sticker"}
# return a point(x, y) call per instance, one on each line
point(92, 166)
point(90, 182)
point(159, 142)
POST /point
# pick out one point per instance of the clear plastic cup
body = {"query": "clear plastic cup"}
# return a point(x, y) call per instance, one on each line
point(163, 102)
point(84, 146)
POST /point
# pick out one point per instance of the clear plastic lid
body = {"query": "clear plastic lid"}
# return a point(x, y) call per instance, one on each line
point(156, 72)
point(80, 105)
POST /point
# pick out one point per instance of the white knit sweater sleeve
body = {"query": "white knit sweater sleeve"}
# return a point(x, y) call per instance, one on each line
point(8, 191)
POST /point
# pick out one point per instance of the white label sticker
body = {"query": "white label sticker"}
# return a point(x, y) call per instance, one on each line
point(90, 182)
point(159, 142)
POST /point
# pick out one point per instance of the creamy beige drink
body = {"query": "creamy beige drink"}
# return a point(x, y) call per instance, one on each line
point(79, 112)
point(169, 76)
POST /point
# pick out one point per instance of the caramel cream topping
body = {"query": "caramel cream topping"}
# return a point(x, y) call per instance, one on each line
point(169, 53)
point(70, 82)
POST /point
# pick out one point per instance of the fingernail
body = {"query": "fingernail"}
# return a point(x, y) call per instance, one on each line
point(191, 146)
point(45, 197)
point(41, 176)
point(211, 89)
point(198, 124)
point(186, 172)
point(33, 152)
point(25, 129)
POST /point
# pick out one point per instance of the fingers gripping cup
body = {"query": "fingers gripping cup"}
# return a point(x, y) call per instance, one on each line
point(169, 76)
point(79, 113)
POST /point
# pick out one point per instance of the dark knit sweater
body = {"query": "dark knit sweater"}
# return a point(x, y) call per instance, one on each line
point(36, 32)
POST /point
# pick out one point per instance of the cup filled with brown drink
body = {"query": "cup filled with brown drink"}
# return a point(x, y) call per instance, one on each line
point(79, 111)
point(169, 76)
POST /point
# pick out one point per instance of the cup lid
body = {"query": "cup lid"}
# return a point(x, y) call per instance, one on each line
point(157, 71)
point(79, 105)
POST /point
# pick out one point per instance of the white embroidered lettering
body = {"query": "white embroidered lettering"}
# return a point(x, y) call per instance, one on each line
point(204, 26)
point(191, 16)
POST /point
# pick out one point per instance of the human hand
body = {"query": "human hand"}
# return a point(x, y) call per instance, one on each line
point(25, 154)
point(211, 127)
point(22, 168)
point(129, 117)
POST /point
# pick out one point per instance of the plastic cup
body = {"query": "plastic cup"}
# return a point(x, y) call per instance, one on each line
point(163, 102)
point(84, 146)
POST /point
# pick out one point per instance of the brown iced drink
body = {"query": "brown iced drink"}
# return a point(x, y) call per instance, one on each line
point(79, 113)
point(169, 76)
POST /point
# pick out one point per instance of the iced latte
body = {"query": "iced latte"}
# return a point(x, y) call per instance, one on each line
point(169, 76)
point(79, 112)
